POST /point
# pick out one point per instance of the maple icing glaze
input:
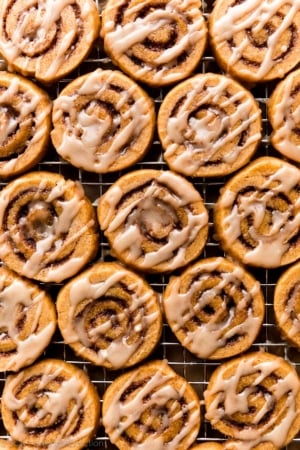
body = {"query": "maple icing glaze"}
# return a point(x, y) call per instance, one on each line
point(161, 401)
point(246, 199)
point(22, 302)
point(158, 223)
point(214, 308)
point(110, 316)
point(62, 396)
point(102, 122)
point(24, 124)
point(255, 398)
point(200, 124)
point(48, 38)
point(57, 217)
point(256, 40)
point(147, 39)
point(284, 113)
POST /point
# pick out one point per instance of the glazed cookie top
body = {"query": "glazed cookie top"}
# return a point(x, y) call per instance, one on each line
point(157, 43)
point(257, 213)
point(256, 40)
point(103, 122)
point(49, 38)
point(209, 125)
point(155, 220)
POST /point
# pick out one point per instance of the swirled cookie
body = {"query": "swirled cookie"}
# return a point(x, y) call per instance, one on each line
point(49, 38)
point(151, 406)
point(209, 125)
point(255, 398)
point(215, 308)
point(157, 43)
point(256, 40)
point(155, 221)
point(109, 316)
point(257, 214)
point(103, 122)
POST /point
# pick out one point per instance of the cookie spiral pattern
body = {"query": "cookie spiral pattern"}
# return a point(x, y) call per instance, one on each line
point(51, 404)
point(158, 408)
point(209, 125)
point(257, 214)
point(287, 305)
point(27, 321)
point(109, 316)
point(157, 43)
point(47, 39)
point(155, 221)
point(215, 308)
point(284, 110)
point(256, 40)
point(25, 122)
point(48, 228)
point(255, 398)
point(103, 122)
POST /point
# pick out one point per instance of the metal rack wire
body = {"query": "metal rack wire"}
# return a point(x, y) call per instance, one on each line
point(196, 371)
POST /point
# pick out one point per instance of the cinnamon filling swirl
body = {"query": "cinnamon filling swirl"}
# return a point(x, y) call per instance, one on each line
point(48, 227)
point(110, 316)
point(155, 221)
point(208, 125)
point(257, 40)
point(157, 43)
point(47, 39)
point(257, 214)
point(215, 308)
point(151, 405)
point(255, 399)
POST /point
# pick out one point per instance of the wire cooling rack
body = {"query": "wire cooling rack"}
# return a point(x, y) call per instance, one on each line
point(196, 371)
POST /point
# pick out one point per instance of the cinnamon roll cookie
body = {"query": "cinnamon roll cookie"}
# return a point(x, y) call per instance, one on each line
point(257, 215)
point(256, 40)
point(47, 39)
point(255, 398)
point(48, 227)
point(209, 125)
point(151, 406)
point(27, 321)
point(287, 304)
point(157, 43)
point(103, 122)
point(284, 116)
point(155, 221)
point(25, 122)
point(51, 404)
point(109, 316)
point(215, 308)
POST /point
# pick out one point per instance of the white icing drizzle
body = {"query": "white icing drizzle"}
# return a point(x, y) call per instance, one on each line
point(130, 237)
point(18, 294)
point(270, 247)
point(208, 135)
point(156, 392)
point(254, 15)
point(209, 336)
point(57, 403)
point(120, 350)
point(122, 38)
point(83, 136)
point(46, 16)
point(285, 391)
point(286, 119)
point(25, 107)
point(50, 245)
